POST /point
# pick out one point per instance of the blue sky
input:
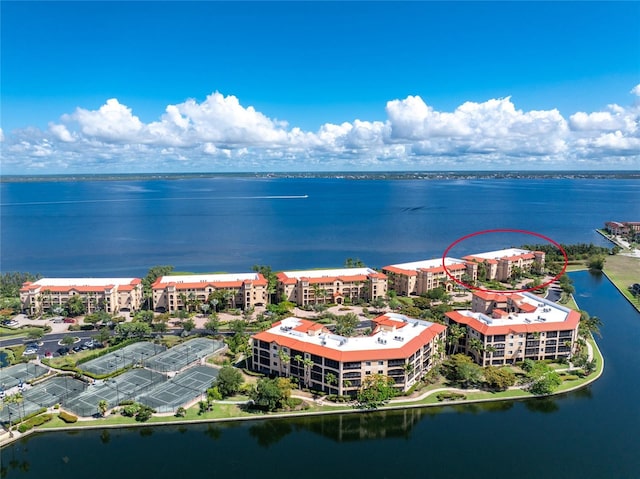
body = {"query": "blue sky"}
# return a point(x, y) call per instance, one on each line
point(266, 86)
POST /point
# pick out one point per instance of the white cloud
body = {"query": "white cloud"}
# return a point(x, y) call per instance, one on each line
point(220, 133)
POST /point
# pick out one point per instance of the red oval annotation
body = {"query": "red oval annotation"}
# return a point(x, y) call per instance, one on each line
point(478, 233)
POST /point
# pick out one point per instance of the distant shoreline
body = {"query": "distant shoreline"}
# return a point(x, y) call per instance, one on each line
point(351, 175)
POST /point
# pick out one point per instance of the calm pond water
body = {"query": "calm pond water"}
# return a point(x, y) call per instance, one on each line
point(592, 433)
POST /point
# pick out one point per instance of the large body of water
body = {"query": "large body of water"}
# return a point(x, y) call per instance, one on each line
point(100, 228)
point(121, 228)
point(591, 433)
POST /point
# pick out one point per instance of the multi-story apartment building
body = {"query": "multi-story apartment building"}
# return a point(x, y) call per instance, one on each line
point(107, 294)
point(241, 290)
point(418, 277)
point(630, 229)
point(514, 327)
point(399, 347)
point(499, 264)
point(331, 285)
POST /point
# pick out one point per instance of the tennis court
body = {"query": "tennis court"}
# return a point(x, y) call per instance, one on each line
point(20, 373)
point(137, 353)
point(182, 355)
point(183, 388)
point(52, 391)
point(126, 386)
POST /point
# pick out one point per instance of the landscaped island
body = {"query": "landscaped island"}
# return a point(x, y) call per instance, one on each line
point(311, 342)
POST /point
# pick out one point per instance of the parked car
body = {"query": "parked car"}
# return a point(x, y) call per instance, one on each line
point(11, 323)
point(69, 320)
point(47, 354)
point(29, 352)
point(63, 351)
point(77, 348)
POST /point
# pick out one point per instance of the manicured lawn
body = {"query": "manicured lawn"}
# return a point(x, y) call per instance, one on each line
point(623, 271)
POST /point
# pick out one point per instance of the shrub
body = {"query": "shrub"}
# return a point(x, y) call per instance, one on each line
point(569, 377)
point(86, 327)
point(35, 421)
point(181, 412)
point(131, 410)
point(450, 396)
point(66, 417)
point(144, 413)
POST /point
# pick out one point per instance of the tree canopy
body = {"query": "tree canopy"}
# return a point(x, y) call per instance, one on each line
point(229, 381)
point(271, 394)
point(376, 390)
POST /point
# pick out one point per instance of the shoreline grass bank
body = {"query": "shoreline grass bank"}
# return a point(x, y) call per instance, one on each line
point(230, 412)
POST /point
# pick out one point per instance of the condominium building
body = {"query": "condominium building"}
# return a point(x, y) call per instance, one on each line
point(513, 327)
point(499, 265)
point(399, 347)
point(331, 285)
point(418, 277)
point(108, 294)
point(239, 290)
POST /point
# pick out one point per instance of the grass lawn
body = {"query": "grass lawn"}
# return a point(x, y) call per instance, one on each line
point(16, 333)
point(623, 271)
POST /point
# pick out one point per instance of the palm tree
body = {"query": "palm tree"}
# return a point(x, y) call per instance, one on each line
point(408, 369)
point(183, 300)
point(298, 359)
point(102, 407)
point(331, 379)
point(476, 345)
point(316, 292)
point(307, 364)
point(284, 359)
point(455, 334)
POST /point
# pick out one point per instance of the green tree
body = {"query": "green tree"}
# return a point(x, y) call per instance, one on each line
point(596, 263)
point(376, 390)
point(460, 369)
point(499, 379)
point(75, 306)
point(270, 276)
point(455, 333)
point(346, 324)
point(68, 340)
point(229, 381)
point(271, 394)
point(133, 330)
point(353, 263)
point(152, 275)
point(543, 379)
point(213, 324)
point(35, 334)
point(102, 407)
point(97, 317)
point(188, 325)
point(476, 345)
point(102, 336)
point(589, 324)
point(145, 316)
point(12, 281)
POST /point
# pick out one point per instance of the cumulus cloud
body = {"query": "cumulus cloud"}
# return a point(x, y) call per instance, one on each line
point(221, 134)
